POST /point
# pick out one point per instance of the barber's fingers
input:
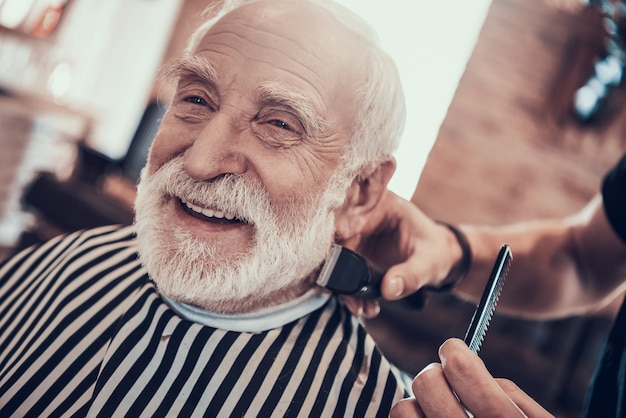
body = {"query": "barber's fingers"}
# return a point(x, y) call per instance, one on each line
point(404, 279)
point(434, 396)
point(427, 265)
point(527, 404)
point(463, 371)
point(361, 308)
point(371, 308)
point(476, 388)
point(406, 408)
point(354, 305)
point(393, 284)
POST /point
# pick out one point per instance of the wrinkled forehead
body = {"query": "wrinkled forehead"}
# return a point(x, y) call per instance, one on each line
point(290, 18)
point(298, 31)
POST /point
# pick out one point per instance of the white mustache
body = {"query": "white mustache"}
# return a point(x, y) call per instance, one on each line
point(246, 199)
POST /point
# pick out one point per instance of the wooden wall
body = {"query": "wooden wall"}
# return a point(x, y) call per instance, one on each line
point(509, 147)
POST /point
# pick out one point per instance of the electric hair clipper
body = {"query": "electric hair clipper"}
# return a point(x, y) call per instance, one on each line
point(347, 273)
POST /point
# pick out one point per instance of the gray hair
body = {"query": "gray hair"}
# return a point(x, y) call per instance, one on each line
point(381, 111)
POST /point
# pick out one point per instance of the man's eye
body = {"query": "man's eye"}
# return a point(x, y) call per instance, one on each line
point(280, 124)
point(196, 100)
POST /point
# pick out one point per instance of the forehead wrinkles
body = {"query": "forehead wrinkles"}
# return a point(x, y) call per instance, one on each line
point(298, 54)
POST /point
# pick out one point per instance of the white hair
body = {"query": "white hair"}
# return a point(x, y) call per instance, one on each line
point(381, 112)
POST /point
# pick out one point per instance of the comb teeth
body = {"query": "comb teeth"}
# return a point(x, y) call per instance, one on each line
point(484, 311)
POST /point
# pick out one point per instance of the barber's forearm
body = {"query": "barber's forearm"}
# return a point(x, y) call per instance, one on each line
point(538, 271)
point(545, 279)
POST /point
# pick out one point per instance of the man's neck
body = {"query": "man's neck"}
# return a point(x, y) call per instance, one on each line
point(259, 320)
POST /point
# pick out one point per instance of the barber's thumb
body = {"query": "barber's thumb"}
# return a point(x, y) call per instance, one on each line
point(394, 285)
point(452, 345)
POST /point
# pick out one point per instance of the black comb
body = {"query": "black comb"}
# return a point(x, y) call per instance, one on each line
point(484, 310)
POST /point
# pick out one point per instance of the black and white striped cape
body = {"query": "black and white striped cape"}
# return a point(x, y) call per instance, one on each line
point(83, 332)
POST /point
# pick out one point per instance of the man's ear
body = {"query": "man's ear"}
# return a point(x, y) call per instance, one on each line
point(363, 196)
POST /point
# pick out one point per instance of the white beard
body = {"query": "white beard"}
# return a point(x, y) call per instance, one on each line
point(187, 267)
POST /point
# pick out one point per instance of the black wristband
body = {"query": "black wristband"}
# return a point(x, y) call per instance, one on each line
point(466, 258)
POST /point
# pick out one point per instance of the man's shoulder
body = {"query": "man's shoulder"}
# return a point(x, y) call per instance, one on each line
point(112, 246)
point(108, 237)
point(113, 233)
point(76, 256)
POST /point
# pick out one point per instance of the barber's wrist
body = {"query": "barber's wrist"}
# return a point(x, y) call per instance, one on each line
point(461, 268)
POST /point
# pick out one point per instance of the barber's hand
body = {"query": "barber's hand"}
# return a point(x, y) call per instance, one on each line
point(463, 372)
point(408, 246)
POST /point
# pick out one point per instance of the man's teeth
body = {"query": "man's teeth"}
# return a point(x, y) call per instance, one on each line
point(209, 212)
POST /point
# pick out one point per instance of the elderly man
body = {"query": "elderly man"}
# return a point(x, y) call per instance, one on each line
point(277, 143)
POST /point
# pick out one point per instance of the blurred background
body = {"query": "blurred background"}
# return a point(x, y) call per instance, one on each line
point(515, 111)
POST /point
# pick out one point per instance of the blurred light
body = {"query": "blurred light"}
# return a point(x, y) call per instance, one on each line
point(609, 70)
point(60, 80)
point(587, 102)
point(13, 12)
point(598, 87)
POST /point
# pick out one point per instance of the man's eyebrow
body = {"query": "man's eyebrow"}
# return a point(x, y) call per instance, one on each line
point(275, 92)
point(191, 67)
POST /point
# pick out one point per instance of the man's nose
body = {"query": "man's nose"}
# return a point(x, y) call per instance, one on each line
point(218, 149)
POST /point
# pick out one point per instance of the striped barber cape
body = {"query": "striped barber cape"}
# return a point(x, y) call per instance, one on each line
point(84, 332)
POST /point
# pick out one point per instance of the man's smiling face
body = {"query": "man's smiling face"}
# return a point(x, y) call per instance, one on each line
point(240, 166)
